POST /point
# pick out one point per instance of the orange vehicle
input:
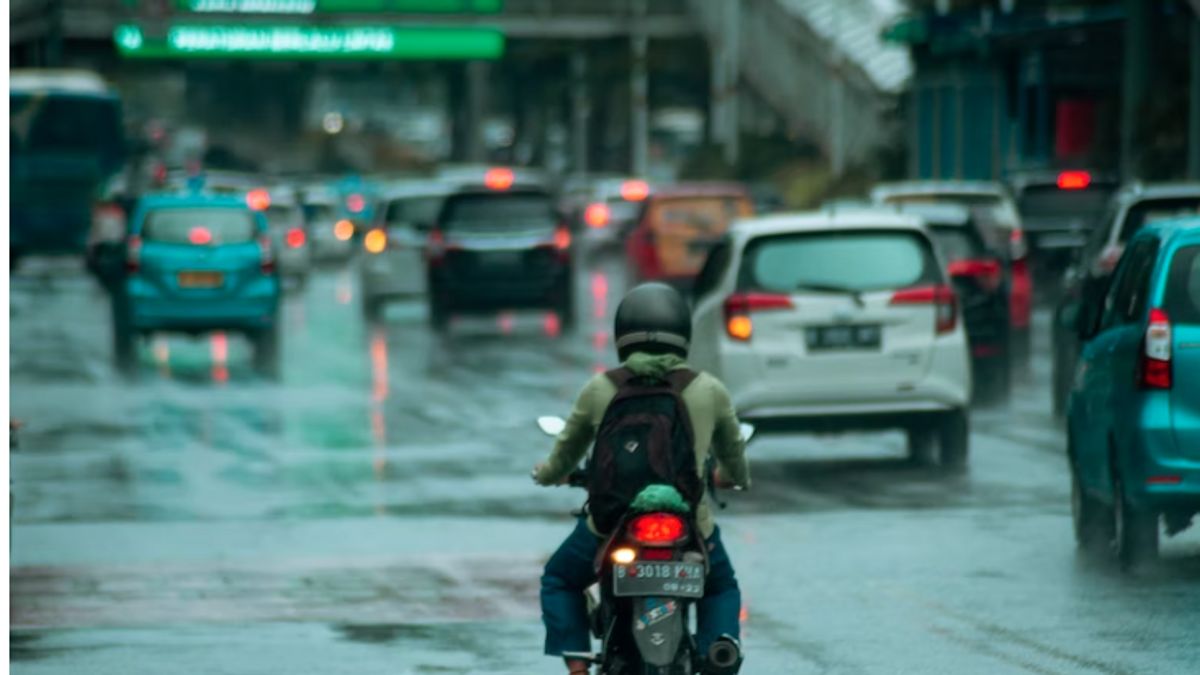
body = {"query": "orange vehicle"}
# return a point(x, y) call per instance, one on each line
point(678, 226)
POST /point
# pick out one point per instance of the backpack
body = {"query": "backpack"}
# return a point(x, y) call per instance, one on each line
point(645, 438)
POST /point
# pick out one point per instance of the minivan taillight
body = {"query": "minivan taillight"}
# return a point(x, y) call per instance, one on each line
point(986, 272)
point(941, 297)
point(133, 254)
point(739, 307)
point(266, 255)
point(1154, 367)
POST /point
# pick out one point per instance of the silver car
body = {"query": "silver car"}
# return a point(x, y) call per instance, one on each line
point(289, 234)
point(393, 263)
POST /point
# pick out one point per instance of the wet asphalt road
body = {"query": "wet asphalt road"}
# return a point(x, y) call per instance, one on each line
point(372, 512)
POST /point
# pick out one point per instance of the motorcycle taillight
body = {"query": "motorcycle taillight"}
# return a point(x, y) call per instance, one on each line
point(656, 529)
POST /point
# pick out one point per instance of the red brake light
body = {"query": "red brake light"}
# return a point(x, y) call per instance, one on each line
point(133, 254)
point(296, 237)
point(635, 190)
point(597, 215)
point(266, 255)
point(355, 203)
point(498, 179)
point(656, 529)
point(258, 200)
point(562, 238)
point(1074, 180)
point(1154, 369)
point(942, 297)
point(987, 272)
point(200, 236)
point(738, 307)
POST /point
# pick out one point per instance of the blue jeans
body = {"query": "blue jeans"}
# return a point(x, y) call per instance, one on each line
point(569, 572)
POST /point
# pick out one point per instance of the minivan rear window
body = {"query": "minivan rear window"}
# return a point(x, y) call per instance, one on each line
point(498, 212)
point(1157, 209)
point(1183, 286)
point(177, 226)
point(863, 260)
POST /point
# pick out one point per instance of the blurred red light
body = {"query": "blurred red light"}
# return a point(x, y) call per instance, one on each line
point(498, 179)
point(597, 215)
point(356, 203)
point(200, 236)
point(656, 528)
point(635, 190)
point(258, 200)
point(1074, 180)
point(296, 237)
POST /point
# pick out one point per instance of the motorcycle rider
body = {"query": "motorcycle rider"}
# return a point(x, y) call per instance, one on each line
point(653, 328)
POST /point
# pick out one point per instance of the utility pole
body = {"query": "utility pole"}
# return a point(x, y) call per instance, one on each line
point(639, 127)
point(580, 110)
point(732, 63)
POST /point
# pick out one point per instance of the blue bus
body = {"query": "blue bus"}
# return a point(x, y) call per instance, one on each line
point(67, 142)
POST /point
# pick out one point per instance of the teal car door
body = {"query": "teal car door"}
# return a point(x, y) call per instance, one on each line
point(1182, 304)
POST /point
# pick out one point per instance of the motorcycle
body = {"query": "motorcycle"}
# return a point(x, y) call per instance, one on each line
point(650, 573)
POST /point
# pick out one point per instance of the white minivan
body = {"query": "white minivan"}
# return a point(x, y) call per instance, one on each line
point(835, 321)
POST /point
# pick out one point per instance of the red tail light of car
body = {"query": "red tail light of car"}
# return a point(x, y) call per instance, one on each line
point(258, 200)
point(943, 299)
point(296, 237)
point(988, 273)
point(739, 307)
point(1154, 367)
point(656, 529)
point(1074, 180)
point(635, 190)
point(355, 203)
point(133, 254)
point(266, 255)
point(498, 179)
point(200, 236)
point(597, 215)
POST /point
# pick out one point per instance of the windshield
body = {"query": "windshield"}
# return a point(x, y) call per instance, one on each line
point(1157, 209)
point(1183, 286)
point(199, 226)
point(499, 212)
point(868, 260)
point(1048, 201)
point(958, 243)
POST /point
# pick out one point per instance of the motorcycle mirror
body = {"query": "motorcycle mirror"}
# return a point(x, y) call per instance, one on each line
point(551, 425)
point(747, 430)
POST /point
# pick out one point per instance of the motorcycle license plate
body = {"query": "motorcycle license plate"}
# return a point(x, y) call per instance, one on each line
point(674, 579)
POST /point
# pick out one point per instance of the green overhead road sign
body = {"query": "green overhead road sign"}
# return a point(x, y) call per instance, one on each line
point(324, 6)
point(189, 41)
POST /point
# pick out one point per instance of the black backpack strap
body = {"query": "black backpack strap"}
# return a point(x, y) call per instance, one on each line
point(681, 378)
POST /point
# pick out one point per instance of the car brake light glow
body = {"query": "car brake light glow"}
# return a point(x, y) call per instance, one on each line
point(635, 190)
point(296, 237)
point(375, 241)
point(133, 254)
point(942, 297)
point(987, 272)
point(656, 528)
point(343, 230)
point(1164, 480)
point(498, 179)
point(266, 255)
point(258, 200)
point(624, 556)
point(1074, 180)
point(739, 306)
point(562, 238)
point(597, 215)
point(1154, 370)
point(200, 236)
point(355, 203)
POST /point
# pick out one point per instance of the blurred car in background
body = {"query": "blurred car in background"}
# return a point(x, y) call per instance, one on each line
point(679, 225)
point(393, 263)
point(1087, 279)
point(980, 277)
point(199, 263)
point(499, 244)
point(330, 233)
point(996, 214)
point(1058, 209)
point(289, 232)
point(1133, 420)
point(604, 210)
point(837, 321)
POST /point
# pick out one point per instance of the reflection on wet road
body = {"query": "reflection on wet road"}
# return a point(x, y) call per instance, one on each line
point(372, 511)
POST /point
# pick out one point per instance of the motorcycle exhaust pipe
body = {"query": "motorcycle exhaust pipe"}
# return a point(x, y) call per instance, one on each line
point(724, 657)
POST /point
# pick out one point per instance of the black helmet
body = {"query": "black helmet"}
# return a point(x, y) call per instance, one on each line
point(653, 318)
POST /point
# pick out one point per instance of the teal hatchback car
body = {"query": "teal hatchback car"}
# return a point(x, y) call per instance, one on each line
point(1134, 411)
point(198, 263)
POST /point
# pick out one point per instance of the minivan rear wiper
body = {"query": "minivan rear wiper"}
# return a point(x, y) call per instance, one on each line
point(855, 294)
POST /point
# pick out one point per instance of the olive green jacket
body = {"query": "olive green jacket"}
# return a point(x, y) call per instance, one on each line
point(714, 425)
